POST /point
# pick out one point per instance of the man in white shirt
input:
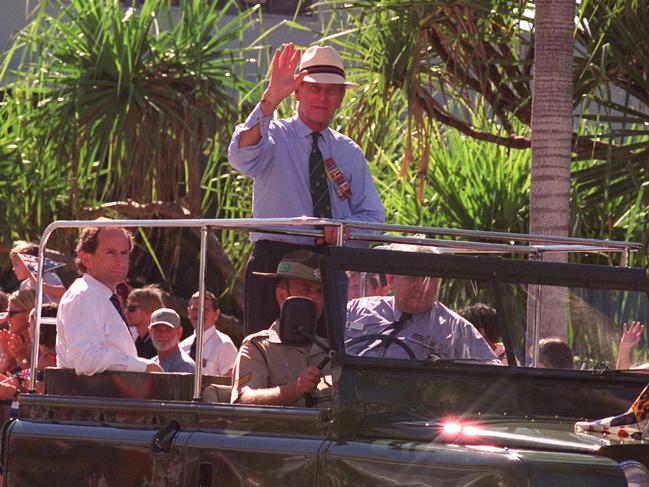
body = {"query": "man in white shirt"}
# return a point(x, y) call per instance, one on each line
point(92, 334)
point(219, 353)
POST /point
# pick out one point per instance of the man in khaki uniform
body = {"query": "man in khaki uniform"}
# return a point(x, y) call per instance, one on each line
point(268, 371)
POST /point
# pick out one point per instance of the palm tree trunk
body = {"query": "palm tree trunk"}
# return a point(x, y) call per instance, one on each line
point(552, 122)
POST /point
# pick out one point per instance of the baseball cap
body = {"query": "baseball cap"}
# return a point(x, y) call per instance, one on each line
point(165, 316)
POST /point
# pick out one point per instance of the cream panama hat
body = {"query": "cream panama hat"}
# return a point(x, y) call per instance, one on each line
point(324, 65)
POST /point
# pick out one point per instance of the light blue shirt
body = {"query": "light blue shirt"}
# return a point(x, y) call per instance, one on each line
point(436, 333)
point(279, 166)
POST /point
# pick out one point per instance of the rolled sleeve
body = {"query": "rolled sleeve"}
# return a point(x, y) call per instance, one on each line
point(254, 159)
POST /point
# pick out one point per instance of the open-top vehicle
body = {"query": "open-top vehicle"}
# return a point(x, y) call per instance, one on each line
point(392, 419)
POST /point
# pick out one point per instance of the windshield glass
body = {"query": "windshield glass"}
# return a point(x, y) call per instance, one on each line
point(431, 318)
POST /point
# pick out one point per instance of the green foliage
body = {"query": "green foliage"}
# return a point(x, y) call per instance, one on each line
point(117, 104)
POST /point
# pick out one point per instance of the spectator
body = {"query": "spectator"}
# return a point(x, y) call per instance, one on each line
point(53, 288)
point(47, 338)
point(271, 372)
point(14, 339)
point(375, 285)
point(631, 336)
point(413, 316)
point(139, 306)
point(485, 320)
point(165, 332)
point(92, 334)
point(219, 353)
point(300, 166)
point(554, 353)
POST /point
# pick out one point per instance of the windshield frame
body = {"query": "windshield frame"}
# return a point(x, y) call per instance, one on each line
point(493, 271)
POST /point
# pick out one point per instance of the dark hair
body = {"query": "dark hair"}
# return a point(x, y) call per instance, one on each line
point(554, 353)
point(209, 296)
point(89, 242)
point(484, 318)
point(47, 335)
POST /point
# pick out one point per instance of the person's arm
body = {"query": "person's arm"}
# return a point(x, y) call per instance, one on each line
point(8, 388)
point(285, 394)
point(7, 361)
point(250, 150)
point(630, 337)
point(226, 358)
point(250, 384)
point(85, 333)
point(283, 82)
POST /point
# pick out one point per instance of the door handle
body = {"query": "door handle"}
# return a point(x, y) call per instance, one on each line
point(163, 439)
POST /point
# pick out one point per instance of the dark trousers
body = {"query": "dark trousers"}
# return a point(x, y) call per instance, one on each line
point(260, 303)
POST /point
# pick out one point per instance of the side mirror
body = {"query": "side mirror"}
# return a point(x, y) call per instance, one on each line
point(297, 321)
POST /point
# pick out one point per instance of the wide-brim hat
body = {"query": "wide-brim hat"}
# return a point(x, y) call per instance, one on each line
point(324, 65)
point(299, 264)
point(165, 316)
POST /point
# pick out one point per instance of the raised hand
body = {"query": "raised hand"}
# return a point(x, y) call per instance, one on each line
point(631, 334)
point(630, 337)
point(283, 80)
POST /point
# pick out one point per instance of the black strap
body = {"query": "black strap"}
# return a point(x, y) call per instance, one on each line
point(396, 326)
point(192, 349)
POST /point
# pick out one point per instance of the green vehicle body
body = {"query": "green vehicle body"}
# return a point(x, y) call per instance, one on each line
point(391, 422)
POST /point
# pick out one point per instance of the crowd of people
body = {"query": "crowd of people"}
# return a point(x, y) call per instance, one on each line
point(300, 166)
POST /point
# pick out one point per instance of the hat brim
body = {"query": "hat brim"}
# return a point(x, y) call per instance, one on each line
point(329, 78)
point(264, 274)
point(170, 325)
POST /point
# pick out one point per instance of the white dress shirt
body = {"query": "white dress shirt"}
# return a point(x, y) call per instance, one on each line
point(91, 335)
point(219, 353)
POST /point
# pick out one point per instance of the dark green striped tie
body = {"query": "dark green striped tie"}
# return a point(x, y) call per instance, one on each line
point(318, 178)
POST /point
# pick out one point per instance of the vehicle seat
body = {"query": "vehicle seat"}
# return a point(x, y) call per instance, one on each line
point(217, 393)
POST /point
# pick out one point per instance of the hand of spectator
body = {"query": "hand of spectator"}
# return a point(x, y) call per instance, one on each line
point(4, 341)
point(153, 367)
point(8, 390)
point(631, 334)
point(308, 380)
point(630, 337)
point(19, 348)
point(283, 80)
point(331, 236)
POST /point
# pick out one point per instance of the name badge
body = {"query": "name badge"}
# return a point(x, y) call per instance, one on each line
point(353, 325)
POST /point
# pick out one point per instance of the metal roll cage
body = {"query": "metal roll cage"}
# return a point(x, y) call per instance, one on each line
point(490, 242)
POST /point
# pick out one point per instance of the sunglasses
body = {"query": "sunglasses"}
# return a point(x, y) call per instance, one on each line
point(132, 307)
point(13, 312)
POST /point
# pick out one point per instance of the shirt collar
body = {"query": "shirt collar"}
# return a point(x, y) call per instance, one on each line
point(99, 286)
point(208, 332)
point(304, 131)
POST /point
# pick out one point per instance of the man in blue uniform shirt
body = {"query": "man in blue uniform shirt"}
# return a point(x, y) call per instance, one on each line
point(412, 320)
point(300, 167)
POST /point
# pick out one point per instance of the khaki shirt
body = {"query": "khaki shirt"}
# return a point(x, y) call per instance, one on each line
point(264, 362)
